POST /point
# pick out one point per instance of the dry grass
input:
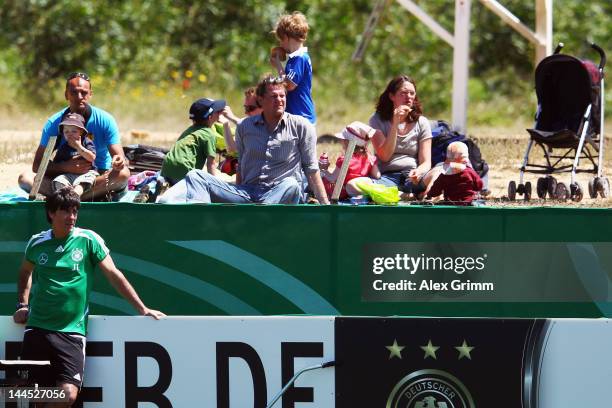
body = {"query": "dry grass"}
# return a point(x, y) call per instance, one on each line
point(18, 146)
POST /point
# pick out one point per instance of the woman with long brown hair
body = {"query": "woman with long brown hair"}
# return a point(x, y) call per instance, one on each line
point(403, 138)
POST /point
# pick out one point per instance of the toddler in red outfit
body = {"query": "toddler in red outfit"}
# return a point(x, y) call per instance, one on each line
point(458, 181)
point(362, 165)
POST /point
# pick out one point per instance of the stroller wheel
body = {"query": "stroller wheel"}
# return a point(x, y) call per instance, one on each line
point(542, 187)
point(576, 192)
point(527, 191)
point(551, 183)
point(562, 192)
point(605, 187)
point(512, 191)
point(593, 183)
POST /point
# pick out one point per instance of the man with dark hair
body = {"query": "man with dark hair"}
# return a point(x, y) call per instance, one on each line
point(101, 128)
point(58, 268)
point(274, 150)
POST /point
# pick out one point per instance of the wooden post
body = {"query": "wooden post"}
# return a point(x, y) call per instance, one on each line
point(343, 170)
point(461, 58)
point(544, 30)
point(375, 15)
point(424, 18)
point(42, 167)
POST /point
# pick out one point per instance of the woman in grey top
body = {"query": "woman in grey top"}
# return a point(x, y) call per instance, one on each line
point(403, 137)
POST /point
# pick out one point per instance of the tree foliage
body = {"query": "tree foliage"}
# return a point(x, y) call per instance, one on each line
point(228, 42)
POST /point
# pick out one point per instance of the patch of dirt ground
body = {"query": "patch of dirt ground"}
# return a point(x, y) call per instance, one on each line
point(503, 152)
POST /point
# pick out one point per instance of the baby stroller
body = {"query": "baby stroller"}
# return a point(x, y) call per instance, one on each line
point(569, 119)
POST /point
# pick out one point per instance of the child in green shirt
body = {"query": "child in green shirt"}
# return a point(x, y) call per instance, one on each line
point(197, 144)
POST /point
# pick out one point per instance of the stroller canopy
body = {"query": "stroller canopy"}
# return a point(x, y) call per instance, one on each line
point(564, 90)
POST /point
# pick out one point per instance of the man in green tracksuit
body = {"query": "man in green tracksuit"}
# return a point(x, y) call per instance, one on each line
point(55, 280)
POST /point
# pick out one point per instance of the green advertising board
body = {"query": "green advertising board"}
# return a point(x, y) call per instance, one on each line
point(269, 260)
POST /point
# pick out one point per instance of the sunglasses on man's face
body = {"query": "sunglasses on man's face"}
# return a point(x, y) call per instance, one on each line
point(78, 75)
point(250, 108)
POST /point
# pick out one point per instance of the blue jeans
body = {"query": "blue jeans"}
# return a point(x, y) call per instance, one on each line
point(402, 182)
point(200, 187)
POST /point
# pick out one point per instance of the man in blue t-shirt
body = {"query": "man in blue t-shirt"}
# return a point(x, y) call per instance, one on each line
point(102, 129)
point(291, 31)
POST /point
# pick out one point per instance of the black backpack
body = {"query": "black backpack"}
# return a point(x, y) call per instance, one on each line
point(443, 136)
point(144, 157)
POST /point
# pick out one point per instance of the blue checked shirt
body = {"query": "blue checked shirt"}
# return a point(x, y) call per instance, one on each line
point(266, 158)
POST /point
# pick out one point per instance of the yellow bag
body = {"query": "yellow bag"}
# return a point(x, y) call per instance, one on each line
point(380, 194)
point(219, 138)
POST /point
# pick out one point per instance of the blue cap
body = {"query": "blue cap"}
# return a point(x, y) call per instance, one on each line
point(203, 108)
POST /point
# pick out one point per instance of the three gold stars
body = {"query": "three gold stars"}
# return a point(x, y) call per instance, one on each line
point(395, 350)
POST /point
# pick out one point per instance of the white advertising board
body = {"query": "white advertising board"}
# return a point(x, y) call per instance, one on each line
point(576, 364)
point(243, 362)
point(201, 361)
